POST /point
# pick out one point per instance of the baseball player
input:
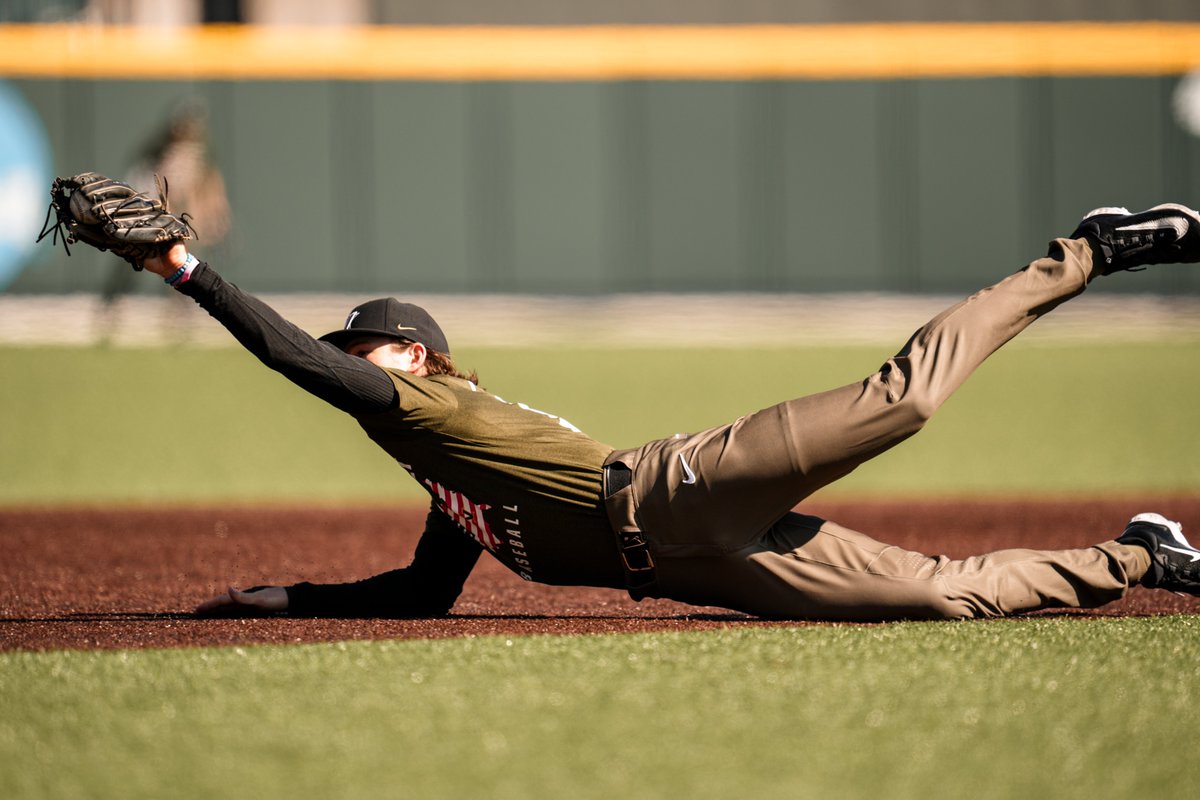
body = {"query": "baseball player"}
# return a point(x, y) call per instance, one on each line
point(705, 518)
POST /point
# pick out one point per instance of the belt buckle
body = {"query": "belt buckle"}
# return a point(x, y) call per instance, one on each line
point(636, 544)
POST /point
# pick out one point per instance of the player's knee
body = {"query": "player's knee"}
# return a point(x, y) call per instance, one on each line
point(924, 405)
point(937, 603)
point(947, 604)
point(912, 400)
point(911, 413)
point(944, 609)
point(919, 409)
point(921, 403)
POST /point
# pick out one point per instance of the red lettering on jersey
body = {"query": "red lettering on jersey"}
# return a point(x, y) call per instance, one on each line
point(468, 515)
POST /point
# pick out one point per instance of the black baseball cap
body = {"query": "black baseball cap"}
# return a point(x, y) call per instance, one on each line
point(387, 316)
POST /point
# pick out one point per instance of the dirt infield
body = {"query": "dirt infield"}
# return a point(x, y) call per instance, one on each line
point(91, 578)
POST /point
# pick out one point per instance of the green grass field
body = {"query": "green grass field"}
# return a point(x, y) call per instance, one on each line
point(1042, 708)
point(99, 425)
point(1021, 708)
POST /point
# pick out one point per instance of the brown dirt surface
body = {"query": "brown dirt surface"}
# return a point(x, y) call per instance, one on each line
point(127, 578)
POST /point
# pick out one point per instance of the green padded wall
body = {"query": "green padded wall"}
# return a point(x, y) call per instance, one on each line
point(585, 187)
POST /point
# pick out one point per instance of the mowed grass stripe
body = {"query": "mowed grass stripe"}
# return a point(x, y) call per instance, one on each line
point(170, 425)
point(1045, 707)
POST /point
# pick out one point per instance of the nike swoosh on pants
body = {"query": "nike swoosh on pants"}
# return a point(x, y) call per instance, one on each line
point(688, 475)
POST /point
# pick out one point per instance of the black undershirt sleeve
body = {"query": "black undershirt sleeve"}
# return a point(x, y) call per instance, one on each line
point(428, 587)
point(445, 555)
point(351, 384)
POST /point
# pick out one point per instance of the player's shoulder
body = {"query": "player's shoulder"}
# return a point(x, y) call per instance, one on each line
point(457, 385)
point(438, 389)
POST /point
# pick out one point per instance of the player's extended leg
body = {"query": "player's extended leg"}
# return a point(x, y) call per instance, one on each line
point(715, 507)
point(809, 568)
point(719, 489)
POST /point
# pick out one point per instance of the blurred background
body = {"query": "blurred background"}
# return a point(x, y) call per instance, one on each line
point(801, 182)
point(571, 147)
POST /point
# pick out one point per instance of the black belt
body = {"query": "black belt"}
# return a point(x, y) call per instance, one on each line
point(616, 477)
point(636, 560)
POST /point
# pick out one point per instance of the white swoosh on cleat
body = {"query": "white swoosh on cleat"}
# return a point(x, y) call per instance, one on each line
point(689, 476)
point(1177, 223)
point(1193, 554)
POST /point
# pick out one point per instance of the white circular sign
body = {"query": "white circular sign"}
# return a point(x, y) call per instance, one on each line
point(25, 175)
point(1187, 103)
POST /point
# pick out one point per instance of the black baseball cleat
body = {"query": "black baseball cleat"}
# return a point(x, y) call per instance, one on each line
point(1174, 563)
point(1166, 234)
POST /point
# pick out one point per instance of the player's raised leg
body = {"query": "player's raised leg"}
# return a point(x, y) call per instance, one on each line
point(728, 484)
point(896, 401)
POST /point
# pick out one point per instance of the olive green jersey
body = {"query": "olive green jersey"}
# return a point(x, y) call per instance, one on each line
point(525, 484)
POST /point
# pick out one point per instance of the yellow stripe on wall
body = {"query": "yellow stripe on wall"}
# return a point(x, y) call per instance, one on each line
point(599, 53)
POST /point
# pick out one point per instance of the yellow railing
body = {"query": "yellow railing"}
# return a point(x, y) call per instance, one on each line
point(600, 53)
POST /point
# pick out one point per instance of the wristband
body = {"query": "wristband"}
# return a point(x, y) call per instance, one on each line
point(183, 273)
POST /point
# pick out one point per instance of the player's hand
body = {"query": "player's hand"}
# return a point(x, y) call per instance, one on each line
point(260, 600)
point(167, 262)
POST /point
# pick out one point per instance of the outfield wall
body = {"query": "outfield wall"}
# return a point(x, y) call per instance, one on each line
point(885, 172)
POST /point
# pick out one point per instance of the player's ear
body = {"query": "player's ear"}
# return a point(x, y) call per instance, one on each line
point(417, 354)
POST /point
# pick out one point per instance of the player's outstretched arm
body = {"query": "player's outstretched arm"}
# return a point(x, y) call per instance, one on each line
point(110, 215)
point(262, 599)
point(428, 587)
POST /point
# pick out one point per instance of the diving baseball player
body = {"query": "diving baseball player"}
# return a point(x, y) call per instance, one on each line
point(708, 518)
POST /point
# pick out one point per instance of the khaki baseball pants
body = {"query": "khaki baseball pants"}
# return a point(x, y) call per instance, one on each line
point(716, 506)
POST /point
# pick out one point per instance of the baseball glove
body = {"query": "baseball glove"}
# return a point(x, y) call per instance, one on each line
point(111, 215)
